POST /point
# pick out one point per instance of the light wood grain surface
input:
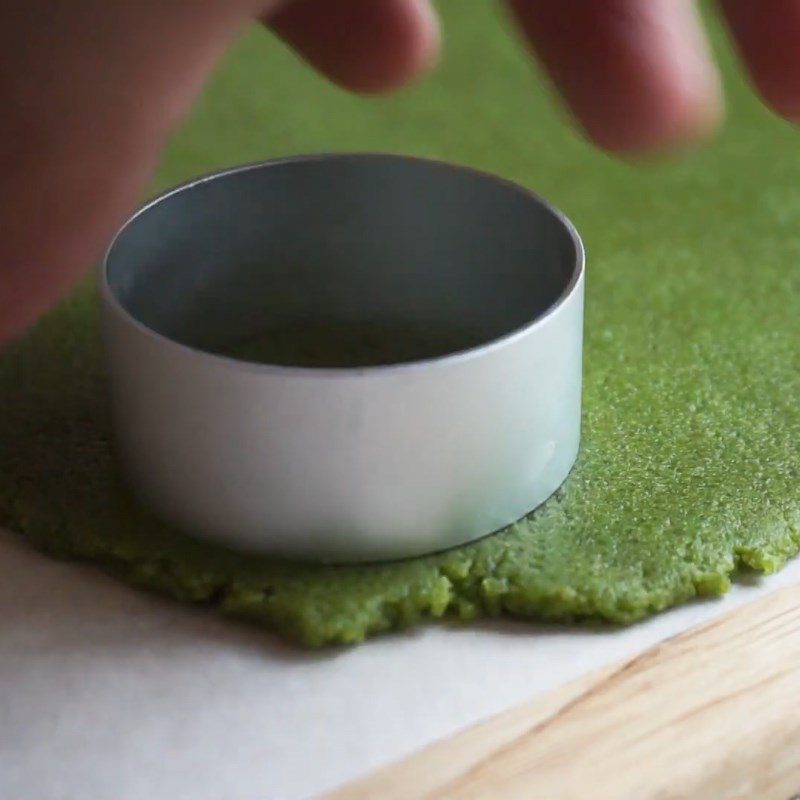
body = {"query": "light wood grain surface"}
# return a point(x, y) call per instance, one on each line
point(712, 714)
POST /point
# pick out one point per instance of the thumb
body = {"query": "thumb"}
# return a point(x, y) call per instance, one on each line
point(90, 90)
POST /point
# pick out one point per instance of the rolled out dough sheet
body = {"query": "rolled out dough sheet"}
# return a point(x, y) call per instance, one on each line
point(689, 464)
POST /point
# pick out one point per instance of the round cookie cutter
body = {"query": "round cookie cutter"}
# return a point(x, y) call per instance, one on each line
point(359, 462)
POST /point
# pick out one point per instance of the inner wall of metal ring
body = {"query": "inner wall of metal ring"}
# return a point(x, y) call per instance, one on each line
point(387, 241)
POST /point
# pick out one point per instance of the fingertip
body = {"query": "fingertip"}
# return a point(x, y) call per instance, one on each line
point(675, 123)
point(407, 53)
point(783, 103)
point(636, 74)
point(364, 46)
point(767, 36)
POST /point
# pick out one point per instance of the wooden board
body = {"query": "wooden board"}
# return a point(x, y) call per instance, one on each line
point(712, 714)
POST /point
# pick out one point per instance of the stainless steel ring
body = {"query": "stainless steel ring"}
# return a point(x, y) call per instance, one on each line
point(356, 462)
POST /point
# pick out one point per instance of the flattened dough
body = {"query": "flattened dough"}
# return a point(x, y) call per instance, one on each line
point(691, 444)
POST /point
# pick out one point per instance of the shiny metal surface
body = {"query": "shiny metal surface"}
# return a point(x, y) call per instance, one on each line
point(356, 463)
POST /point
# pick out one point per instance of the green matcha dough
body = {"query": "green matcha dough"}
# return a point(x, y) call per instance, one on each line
point(340, 344)
point(690, 462)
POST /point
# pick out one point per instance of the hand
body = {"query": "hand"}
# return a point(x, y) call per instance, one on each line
point(90, 90)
